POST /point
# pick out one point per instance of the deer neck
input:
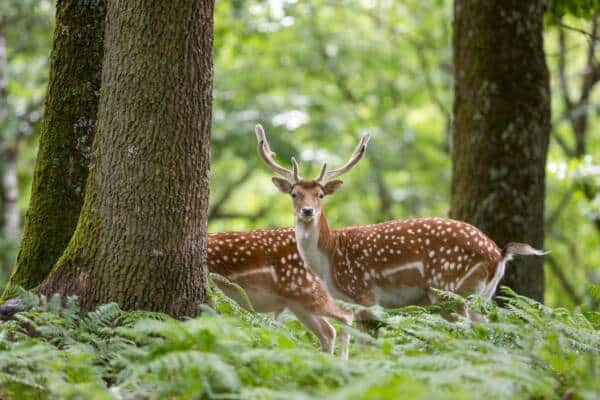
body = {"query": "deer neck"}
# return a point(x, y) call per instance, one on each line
point(316, 243)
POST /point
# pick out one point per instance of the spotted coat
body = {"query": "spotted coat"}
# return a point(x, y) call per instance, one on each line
point(371, 260)
point(267, 265)
point(265, 260)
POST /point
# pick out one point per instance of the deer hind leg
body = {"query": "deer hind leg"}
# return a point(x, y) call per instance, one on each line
point(330, 309)
point(327, 308)
point(319, 303)
point(463, 310)
point(318, 325)
point(367, 321)
point(473, 282)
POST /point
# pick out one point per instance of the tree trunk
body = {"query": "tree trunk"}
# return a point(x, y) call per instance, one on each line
point(61, 169)
point(502, 125)
point(140, 240)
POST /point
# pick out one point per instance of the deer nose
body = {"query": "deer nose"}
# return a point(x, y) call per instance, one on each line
point(307, 211)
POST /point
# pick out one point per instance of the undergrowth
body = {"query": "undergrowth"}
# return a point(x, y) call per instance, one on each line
point(525, 351)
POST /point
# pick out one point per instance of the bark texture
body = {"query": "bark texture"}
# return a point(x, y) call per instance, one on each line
point(61, 169)
point(141, 234)
point(502, 125)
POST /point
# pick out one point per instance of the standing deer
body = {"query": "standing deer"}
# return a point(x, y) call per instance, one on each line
point(266, 264)
point(393, 263)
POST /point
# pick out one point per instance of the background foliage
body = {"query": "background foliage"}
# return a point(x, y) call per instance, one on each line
point(318, 72)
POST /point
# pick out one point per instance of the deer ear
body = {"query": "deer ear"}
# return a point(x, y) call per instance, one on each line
point(332, 187)
point(282, 184)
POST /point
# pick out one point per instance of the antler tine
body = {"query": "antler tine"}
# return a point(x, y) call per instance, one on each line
point(264, 150)
point(358, 153)
point(322, 173)
point(295, 169)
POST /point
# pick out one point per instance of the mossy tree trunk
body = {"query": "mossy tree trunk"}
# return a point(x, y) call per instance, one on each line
point(140, 240)
point(61, 169)
point(501, 127)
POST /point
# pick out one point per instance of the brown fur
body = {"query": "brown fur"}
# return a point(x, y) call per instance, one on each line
point(267, 265)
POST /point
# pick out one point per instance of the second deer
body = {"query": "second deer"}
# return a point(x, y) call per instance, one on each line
point(266, 264)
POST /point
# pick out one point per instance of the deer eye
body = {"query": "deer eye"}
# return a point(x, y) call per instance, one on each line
point(321, 195)
point(294, 195)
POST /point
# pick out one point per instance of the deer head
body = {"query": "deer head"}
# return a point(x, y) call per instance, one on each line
point(307, 194)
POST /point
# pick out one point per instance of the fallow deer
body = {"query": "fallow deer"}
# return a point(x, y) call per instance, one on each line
point(266, 264)
point(393, 263)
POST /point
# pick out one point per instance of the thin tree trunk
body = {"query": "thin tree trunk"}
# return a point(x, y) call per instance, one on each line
point(502, 124)
point(4, 111)
point(61, 169)
point(10, 195)
point(140, 240)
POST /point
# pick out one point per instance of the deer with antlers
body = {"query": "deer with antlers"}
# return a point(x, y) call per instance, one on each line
point(266, 264)
point(394, 263)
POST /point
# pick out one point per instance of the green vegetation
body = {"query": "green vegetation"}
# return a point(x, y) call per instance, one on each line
point(526, 351)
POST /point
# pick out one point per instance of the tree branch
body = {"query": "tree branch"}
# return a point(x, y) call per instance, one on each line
point(433, 93)
point(561, 24)
point(562, 67)
point(564, 146)
point(564, 281)
point(219, 202)
point(252, 217)
point(562, 205)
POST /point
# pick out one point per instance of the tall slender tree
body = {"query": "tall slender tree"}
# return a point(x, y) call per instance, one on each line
point(141, 233)
point(69, 119)
point(501, 127)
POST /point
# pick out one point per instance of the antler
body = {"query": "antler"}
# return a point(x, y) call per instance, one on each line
point(267, 155)
point(325, 176)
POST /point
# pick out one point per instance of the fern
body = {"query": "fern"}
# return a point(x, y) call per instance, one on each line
point(527, 350)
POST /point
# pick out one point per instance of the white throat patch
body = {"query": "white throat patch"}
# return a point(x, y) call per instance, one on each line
point(307, 239)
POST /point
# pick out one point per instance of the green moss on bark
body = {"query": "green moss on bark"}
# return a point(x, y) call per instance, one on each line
point(141, 236)
point(68, 125)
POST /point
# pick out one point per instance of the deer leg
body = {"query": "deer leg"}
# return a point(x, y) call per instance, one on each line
point(345, 343)
point(475, 283)
point(320, 304)
point(433, 298)
point(330, 309)
point(320, 327)
point(476, 317)
point(464, 311)
point(366, 320)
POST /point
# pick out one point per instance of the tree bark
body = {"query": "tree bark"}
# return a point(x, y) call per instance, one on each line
point(140, 239)
point(61, 169)
point(502, 125)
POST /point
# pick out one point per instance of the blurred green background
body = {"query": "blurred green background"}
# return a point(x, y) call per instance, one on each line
point(315, 74)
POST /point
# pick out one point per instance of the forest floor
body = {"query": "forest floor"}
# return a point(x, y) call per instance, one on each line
point(525, 351)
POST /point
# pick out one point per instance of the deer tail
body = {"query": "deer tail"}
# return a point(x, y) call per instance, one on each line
point(509, 251)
